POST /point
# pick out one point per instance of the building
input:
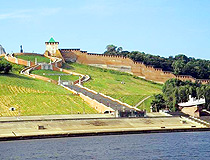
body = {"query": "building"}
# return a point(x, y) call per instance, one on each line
point(193, 107)
point(52, 47)
point(2, 50)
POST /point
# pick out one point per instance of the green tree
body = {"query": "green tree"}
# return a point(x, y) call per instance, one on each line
point(178, 65)
point(158, 103)
point(111, 48)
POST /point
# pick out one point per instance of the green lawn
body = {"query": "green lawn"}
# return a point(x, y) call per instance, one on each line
point(36, 97)
point(32, 58)
point(146, 104)
point(108, 82)
point(47, 73)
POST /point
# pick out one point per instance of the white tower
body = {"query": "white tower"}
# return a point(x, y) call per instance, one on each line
point(52, 46)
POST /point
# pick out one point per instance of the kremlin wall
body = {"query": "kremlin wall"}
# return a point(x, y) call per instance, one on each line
point(117, 63)
point(110, 62)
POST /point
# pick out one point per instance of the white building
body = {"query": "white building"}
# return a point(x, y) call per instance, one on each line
point(193, 106)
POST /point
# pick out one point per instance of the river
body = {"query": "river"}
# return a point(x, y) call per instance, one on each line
point(180, 146)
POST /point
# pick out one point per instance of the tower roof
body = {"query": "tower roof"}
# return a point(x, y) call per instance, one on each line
point(51, 40)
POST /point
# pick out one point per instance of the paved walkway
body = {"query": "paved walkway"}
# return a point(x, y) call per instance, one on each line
point(30, 128)
point(138, 104)
point(98, 97)
point(55, 117)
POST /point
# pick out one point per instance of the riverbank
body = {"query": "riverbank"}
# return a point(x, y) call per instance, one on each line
point(36, 129)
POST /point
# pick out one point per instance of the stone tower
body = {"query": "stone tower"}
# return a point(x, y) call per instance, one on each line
point(52, 46)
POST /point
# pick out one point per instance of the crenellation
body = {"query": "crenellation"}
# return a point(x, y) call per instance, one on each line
point(137, 68)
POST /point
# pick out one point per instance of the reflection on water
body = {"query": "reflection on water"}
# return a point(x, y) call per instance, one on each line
point(192, 145)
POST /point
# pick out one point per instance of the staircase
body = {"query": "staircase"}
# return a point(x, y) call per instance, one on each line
point(122, 109)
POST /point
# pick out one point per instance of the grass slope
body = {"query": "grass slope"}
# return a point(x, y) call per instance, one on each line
point(32, 58)
point(36, 97)
point(108, 82)
point(47, 73)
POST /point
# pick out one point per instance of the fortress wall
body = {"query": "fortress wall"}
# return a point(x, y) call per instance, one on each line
point(85, 58)
point(186, 78)
point(137, 68)
point(157, 75)
point(204, 81)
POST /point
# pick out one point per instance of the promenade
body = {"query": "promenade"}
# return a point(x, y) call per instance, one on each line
point(59, 127)
point(54, 117)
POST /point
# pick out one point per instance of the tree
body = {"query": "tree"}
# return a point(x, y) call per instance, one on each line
point(119, 49)
point(178, 65)
point(176, 91)
point(158, 103)
point(111, 48)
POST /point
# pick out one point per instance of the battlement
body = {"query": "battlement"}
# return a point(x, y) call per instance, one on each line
point(69, 50)
point(116, 61)
point(159, 69)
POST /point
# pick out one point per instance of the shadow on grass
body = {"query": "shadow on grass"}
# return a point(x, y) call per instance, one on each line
point(68, 66)
point(12, 75)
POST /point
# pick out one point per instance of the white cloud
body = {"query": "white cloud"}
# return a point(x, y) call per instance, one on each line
point(16, 14)
point(23, 14)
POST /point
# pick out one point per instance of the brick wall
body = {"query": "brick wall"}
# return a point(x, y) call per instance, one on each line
point(137, 68)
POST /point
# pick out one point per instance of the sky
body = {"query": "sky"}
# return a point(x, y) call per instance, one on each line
point(158, 27)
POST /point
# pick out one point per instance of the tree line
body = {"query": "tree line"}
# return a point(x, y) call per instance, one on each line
point(179, 65)
point(176, 91)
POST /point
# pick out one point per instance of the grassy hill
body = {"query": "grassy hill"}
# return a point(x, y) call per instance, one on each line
point(55, 75)
point(32, 58)
point(35, 97)
point(122, 86)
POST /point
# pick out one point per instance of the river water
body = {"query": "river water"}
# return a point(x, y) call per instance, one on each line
point(180, 146)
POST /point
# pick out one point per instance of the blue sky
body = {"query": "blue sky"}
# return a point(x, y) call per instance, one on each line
point(159, 27)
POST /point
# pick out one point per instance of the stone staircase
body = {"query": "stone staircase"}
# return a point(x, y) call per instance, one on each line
point(122, 109)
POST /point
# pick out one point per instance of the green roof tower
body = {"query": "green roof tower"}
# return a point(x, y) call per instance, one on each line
point(52, 46)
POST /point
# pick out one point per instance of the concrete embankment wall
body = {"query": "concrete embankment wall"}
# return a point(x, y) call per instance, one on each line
point(87, 127)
